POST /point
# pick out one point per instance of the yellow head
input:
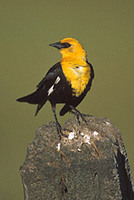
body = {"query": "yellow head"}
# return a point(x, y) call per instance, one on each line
point(70, 47)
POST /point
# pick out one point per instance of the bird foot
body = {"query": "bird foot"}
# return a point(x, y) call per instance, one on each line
point(60, 130)
point(78, 114)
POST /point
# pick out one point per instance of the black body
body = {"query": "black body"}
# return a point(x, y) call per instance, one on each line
point(62, 91)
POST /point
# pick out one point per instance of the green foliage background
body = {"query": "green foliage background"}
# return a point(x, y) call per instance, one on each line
point(105, 29)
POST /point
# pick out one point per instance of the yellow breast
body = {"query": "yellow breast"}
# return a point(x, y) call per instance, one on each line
point(77, 75)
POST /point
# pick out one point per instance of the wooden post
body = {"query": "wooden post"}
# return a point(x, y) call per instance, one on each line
point(90, 163)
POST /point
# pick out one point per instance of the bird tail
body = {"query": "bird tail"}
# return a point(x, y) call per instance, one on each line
point(34, 98)
point(31, 98)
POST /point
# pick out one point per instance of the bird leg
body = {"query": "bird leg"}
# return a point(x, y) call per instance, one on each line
point(58, 126)
point(78, 114)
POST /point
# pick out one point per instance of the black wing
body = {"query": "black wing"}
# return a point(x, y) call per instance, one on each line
point(40, 96)
point(50, 77)
point(46, 85)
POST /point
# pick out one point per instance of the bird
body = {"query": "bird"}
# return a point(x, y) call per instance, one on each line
point(67, 82)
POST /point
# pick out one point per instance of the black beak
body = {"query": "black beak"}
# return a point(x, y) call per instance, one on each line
point(57, 45)
point(60, 45)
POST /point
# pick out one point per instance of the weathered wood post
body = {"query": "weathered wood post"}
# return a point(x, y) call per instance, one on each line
point(91, 163)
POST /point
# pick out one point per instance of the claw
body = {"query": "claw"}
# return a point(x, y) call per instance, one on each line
point(78, 114)
point(61, 130)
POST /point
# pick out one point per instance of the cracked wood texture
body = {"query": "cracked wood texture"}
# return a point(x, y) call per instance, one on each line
point(90, 163)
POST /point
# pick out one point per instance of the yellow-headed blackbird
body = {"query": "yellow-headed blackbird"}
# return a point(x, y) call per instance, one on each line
point(68, 81)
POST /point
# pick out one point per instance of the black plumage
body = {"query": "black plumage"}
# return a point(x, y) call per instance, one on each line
point(55, 88)
point(62, 91)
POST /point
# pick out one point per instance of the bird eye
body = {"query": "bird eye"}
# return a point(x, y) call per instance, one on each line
point(66, 45)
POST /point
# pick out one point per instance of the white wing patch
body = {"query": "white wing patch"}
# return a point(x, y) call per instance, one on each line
point(51, 89)
point(57, 80)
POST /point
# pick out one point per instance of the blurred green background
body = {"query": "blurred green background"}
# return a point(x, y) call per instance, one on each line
point(104, 28)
